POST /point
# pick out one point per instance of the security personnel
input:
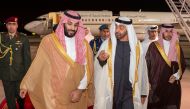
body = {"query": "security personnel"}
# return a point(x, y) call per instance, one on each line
point(15, 59)
point(98, 40)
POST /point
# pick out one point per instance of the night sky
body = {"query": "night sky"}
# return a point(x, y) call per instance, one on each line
point(30, 9)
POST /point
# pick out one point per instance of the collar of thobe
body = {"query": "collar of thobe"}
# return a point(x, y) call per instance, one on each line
point(60, 48)
point(163, 54)
point(166, 46)
point(70, 47)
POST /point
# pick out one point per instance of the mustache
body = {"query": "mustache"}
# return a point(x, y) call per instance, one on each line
point(117, 33)
point(71, 30)
point(168, 35)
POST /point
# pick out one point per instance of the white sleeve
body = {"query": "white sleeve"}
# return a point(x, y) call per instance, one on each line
point(177, 75)
point(83, 82)
point(144, 77)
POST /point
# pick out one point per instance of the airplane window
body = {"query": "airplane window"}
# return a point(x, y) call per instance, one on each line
point(88, 19)
point(85, 20)
point(109, 20)
point(96, 20)
point(82, 19)
point(102, 19)
point(92, 19)
point(99, 19)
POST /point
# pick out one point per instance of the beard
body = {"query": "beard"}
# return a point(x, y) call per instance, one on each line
point(69, 33)
point(168, 37)
point(153, 37)
point(120, 35)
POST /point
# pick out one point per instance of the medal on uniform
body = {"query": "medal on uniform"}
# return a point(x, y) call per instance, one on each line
point(18, 42)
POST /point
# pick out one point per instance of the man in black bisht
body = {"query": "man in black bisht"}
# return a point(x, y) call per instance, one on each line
point(166, 65)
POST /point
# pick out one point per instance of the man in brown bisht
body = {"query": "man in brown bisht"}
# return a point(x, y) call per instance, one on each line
point(60, 76)
point(166, 64)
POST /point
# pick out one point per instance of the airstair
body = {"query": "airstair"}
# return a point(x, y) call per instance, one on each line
point(181, 10)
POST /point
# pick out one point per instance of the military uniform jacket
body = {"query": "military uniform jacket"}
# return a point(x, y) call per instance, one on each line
point(14, 69)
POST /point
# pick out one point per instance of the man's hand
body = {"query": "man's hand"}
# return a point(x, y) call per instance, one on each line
point(172, 79)
point(103, 56)
point(76, 95)
point(143, 99)
point(23, 93)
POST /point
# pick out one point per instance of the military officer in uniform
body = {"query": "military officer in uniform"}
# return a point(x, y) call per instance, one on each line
point(15, 59)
